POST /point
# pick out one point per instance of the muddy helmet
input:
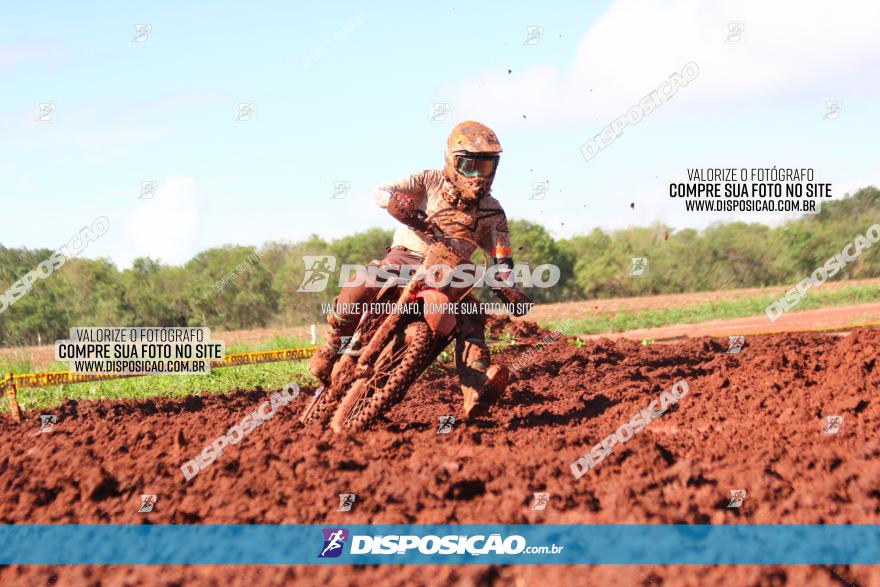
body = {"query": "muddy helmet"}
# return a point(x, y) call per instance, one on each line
point(472, 155)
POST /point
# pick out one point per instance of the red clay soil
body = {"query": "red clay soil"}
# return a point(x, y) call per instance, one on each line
point(752, 420)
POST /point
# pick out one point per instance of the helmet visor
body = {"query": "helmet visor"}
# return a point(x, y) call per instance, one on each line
point(476, 166)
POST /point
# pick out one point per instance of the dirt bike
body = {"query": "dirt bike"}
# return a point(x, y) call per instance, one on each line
point(388, 351)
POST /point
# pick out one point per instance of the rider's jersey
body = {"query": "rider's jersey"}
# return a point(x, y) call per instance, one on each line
point(485, 223)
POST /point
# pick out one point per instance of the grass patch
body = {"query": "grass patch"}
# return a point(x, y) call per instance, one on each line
point(720, 310)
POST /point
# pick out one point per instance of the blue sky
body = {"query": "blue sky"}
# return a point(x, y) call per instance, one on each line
point(345, 92)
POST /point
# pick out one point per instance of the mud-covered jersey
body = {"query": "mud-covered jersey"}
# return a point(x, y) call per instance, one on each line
point(485, 223)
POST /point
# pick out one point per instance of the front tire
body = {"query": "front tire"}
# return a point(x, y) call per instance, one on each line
point(320, 409)
point(369, 397)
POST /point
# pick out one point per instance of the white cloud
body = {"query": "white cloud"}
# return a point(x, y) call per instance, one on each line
point(788, 48)
point(167, 225)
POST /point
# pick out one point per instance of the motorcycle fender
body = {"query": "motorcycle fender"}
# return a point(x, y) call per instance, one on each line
point(438, 314)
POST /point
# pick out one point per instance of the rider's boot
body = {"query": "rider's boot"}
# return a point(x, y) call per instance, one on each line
point(483, 390)
point(472, 362)
point(474, 401)
point(497, 378)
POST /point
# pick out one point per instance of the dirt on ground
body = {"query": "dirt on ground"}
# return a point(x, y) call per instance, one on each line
point(753, 420)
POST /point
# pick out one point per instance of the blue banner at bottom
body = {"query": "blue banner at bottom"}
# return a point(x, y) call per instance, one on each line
point(297, 544)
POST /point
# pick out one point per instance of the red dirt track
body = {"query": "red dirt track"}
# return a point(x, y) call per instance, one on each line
point(752, 420)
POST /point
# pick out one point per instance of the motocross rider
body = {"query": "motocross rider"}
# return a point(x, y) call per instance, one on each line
point(457, 200)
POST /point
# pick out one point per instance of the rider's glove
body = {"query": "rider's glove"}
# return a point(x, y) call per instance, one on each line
point(516, 302)
point(402, 207)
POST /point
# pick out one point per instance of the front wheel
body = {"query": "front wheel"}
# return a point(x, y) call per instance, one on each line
point(320, 408)
point(396, 368)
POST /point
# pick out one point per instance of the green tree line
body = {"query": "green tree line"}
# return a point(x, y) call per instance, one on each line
point(236, 287)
